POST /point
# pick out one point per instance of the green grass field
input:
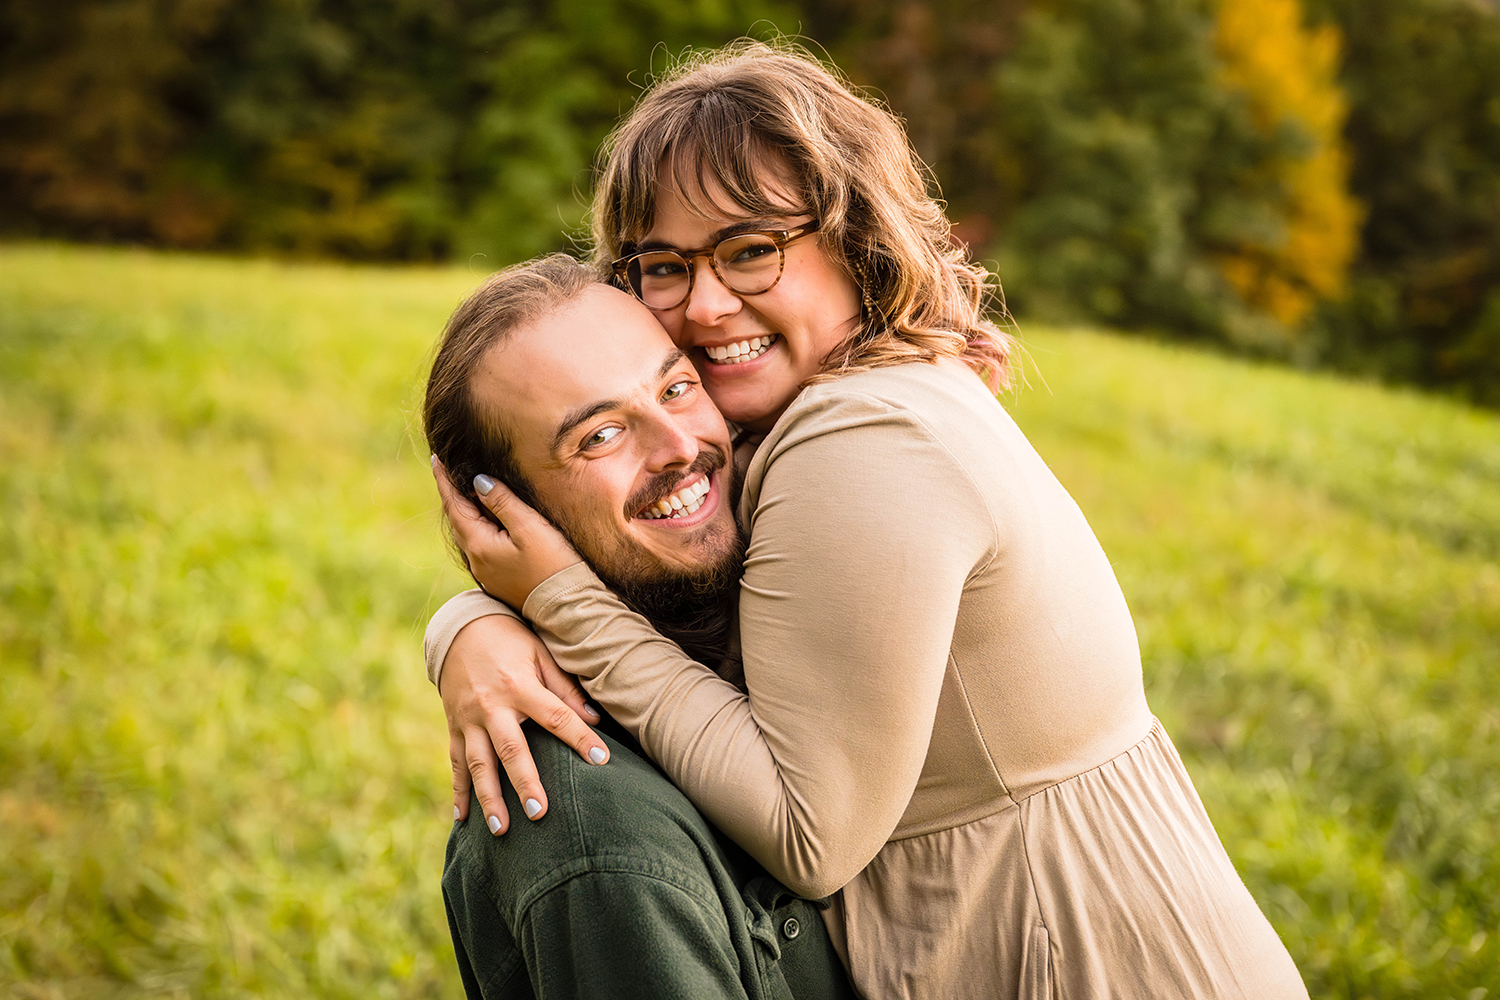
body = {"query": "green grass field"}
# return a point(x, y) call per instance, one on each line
point(223, 773)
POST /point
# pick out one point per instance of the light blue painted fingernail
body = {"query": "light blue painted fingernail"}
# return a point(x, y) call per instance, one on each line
point(588, 707)
point(455, 814)
point(597, 755)
point(494, 822)
point(532, 808)
point(483, 484)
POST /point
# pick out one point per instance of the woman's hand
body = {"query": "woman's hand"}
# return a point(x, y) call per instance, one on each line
point(497, 675)
point(508, 562)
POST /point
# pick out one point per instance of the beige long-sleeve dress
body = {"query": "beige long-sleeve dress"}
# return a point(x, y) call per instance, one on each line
point(943, 721)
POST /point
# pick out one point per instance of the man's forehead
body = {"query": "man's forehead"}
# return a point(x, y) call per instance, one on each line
point(602, 346)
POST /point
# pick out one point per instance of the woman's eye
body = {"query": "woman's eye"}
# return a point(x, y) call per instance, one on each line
point(676, 390)
point(752, 252)
point(603, 435)
point(670, 268)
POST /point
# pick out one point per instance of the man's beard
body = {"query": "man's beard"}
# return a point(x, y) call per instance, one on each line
point(693, 608)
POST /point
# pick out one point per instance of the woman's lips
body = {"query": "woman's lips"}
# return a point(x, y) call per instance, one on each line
point(741, 351)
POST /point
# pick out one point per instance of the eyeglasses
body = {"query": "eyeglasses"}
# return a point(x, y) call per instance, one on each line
point(747, 264)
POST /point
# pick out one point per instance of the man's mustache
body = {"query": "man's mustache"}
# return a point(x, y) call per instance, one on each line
point(709, 461)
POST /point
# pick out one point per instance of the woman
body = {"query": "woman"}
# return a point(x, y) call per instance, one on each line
point(943, 723)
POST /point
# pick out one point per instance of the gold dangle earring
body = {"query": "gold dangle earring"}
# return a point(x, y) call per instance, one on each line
point(870, 308)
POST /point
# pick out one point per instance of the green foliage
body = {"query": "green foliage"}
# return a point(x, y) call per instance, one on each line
point(1424, 127)
point(386, 129)
point(221, 769)
point(1126, 161)
point(1287, 71)
point(932, 61)
point(1102, 152)
point(1131, 167)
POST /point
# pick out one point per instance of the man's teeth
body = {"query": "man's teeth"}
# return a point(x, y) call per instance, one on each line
point(745, 350)
point(680, 504)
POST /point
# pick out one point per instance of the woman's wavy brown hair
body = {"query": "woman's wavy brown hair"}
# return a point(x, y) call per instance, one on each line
point(730, 116)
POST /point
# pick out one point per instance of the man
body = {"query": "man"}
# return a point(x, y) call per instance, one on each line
point(574, 393)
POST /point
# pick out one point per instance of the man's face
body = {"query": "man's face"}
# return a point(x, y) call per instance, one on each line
point(611, 427)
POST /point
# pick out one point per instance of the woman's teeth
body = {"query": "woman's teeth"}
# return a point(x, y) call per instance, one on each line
point(745, 350)
point(680, 504)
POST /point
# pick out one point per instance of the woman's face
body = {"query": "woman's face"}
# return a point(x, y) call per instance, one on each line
point(753, 351)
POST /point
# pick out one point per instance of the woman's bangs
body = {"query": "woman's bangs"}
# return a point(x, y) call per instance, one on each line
point(721, 179)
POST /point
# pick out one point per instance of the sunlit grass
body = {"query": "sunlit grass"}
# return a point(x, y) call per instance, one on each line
point(222, 772)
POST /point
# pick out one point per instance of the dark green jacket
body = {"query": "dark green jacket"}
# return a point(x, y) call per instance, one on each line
point(621, 891)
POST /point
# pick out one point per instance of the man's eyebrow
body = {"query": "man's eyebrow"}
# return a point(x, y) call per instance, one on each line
point(674, 356)
point(578, 415)
point(744, 226)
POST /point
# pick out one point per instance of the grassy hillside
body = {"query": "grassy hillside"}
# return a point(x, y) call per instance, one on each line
point(222, 772)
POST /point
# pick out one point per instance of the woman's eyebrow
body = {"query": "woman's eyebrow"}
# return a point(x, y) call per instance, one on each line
point(746, 226)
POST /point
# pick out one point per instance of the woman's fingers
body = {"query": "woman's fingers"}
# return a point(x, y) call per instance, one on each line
point(515, 756)
point(509, 509)
point(495, 677)
point(469, 524)
point(552, 713)
point(527, 552)
point(462, 784)
point(565, 687)
point(478, 753)
point(484, 770)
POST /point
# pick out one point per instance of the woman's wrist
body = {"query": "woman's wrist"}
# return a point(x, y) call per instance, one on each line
point(457, 613)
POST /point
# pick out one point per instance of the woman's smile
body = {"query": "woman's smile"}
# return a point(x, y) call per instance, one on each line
point(739, 352)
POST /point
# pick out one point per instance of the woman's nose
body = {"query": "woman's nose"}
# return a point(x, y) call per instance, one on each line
point(710, 302)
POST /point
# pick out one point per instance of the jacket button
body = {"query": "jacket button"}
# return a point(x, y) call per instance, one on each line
point(791, 928)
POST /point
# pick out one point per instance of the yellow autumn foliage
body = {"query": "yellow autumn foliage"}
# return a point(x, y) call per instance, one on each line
point(1288, 72)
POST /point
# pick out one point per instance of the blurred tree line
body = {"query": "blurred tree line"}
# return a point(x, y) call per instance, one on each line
point(1317, 180)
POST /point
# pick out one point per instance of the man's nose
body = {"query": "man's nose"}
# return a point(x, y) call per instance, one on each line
point(710, 302)
point(672, 444)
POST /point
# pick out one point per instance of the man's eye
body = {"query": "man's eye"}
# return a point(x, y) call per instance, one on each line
point(603, 435)
point(676, 390)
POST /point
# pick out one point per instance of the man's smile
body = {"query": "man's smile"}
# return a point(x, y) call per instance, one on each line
point(690, 504)
point(682, 502)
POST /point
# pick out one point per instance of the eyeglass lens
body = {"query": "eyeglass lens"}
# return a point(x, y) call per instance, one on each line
point(746, 264)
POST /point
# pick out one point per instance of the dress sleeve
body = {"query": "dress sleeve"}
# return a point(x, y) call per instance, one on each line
point(864, 532)
point(458, 611)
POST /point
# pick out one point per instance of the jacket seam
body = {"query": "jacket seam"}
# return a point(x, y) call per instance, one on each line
point(617, 865)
